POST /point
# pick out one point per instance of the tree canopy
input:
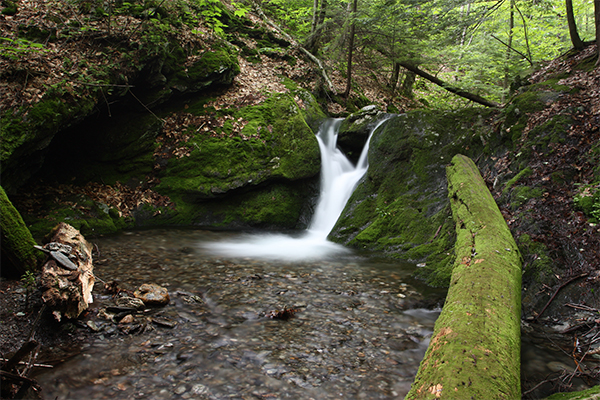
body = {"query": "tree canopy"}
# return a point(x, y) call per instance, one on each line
point(481, 46)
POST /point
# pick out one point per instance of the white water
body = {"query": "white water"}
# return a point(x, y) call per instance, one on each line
point(338, 180)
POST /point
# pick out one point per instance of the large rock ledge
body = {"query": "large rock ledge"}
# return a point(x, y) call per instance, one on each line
point(475, 348)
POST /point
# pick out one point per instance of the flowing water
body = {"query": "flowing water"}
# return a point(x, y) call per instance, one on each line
point(355, 326)
point(338, 180)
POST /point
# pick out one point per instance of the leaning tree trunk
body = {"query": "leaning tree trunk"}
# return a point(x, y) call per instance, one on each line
point(474, 352)
point(448, 87)
point(67, 277)
point(575, 39)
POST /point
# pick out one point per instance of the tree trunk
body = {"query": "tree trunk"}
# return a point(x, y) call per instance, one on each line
point(350, 51)
point(296, 44)
point(451, 89)
point(511, 25)
point(406, 89)
point(394, 78)
point(311, 43)
point(16, 242)
point(474, 352)
point(67, 278)
point(575, 39)
point(597, 20)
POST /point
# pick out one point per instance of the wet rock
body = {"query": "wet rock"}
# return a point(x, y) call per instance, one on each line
point(152, 294)
point(130, 302)
point(128, 319)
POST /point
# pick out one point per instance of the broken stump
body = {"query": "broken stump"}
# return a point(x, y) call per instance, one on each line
point(67, 278)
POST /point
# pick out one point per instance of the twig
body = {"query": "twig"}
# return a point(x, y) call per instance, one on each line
point(556, 292)
point(582, 307)
point(25, 349)
point(147, 109)
point(33, 365)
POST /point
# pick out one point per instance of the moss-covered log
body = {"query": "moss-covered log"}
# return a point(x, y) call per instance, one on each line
point(475, 349)
point(18, 253)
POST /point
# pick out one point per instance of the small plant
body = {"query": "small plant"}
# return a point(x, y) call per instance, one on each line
point(588, 201)
point(28, 281)
point(382, 213)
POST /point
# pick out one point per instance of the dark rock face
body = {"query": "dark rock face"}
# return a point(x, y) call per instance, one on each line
point(355, 131)
point(401, 207)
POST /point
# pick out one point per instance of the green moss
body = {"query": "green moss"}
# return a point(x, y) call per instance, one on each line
point(522, 194)
point(218, 66)
point(589, 394)
point(484, 296)
point(16, 240)
point(538, 263)
point(522, 174)
point(82, 213)
point(23, 131)
point(401, 207)
point(286, 149)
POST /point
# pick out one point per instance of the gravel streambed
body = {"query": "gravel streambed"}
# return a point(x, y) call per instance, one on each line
point(358, 326)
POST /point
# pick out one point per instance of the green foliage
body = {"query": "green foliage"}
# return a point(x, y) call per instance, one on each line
point(588, 201)
point(16, 48)
point(28, 280)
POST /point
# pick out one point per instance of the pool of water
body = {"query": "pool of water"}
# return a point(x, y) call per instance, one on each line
point(359, 329)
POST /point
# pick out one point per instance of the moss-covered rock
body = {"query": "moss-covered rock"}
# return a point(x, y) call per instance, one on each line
point(400, 207)
point(285, 149)
point(91, 218)
point(18, 253)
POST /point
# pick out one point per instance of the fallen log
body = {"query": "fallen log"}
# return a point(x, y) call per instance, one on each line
point(67, 278)
point(474, 352)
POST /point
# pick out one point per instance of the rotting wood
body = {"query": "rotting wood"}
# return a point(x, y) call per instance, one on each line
point(475, 348)
point(65, 290)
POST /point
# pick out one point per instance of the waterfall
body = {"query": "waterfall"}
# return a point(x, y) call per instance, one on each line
point(338, 180)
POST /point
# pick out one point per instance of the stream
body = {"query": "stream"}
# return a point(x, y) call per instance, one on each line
point(361, 327)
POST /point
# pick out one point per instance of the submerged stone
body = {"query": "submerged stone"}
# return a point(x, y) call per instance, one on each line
point(152, 294)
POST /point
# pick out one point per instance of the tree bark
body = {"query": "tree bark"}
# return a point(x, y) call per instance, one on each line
point(597, 20)
point(474, 352)
point(350, 50)
point(575, 39)
point(467, 95)
point(313, 43)
point(511, 25)
point(67, 284)
point(406, 89)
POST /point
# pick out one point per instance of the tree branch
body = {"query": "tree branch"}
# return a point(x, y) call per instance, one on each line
point(515, 50)
point(297, 45)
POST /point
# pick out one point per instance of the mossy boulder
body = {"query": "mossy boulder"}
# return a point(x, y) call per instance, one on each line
point(275, 147)
point(18, 253)
point(401, 207)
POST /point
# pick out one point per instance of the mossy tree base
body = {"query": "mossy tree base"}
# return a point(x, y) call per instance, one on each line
point(475, 349)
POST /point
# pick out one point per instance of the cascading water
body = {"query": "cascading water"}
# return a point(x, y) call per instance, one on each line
point(338, 180)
